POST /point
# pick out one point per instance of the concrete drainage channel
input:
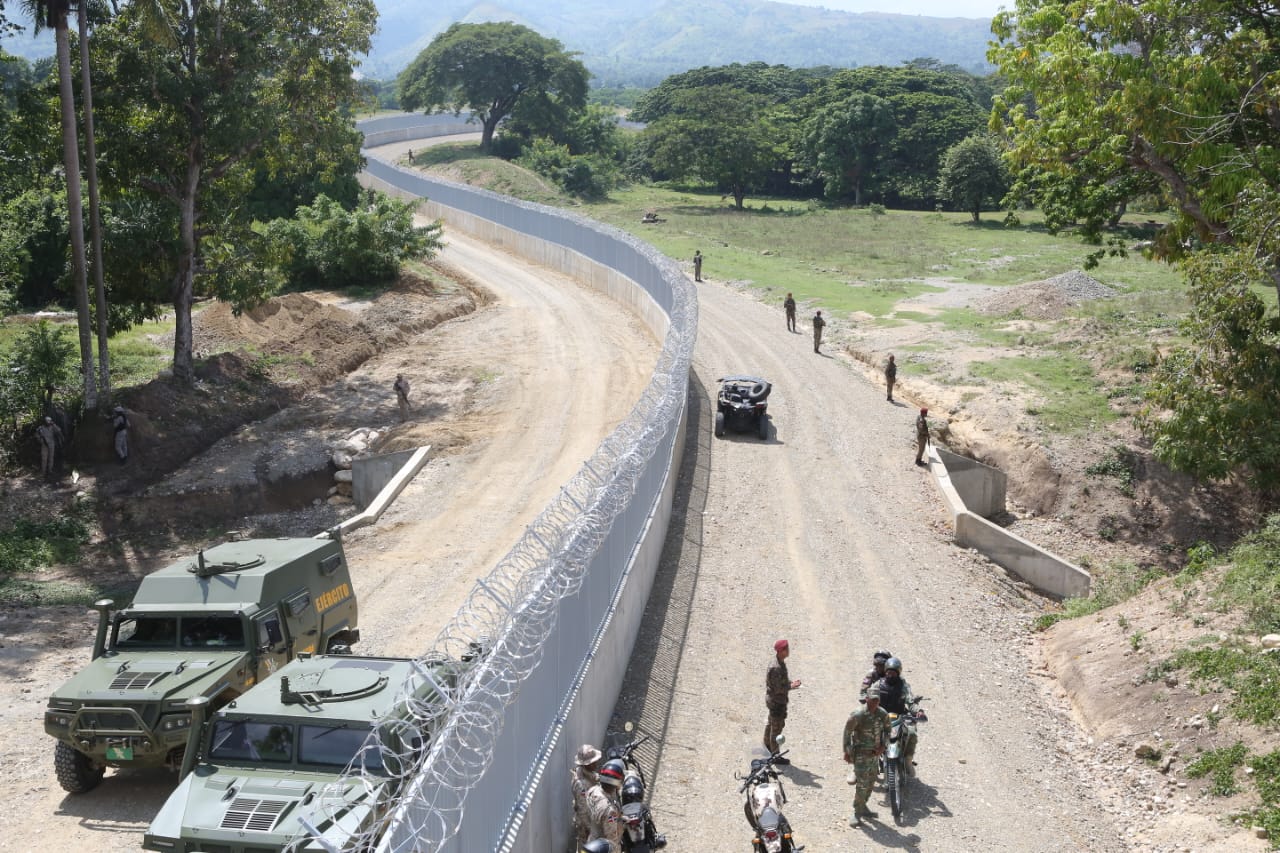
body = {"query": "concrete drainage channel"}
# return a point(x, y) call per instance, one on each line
point(974, 493)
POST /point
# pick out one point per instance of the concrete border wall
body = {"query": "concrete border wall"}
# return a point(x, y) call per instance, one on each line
point(1035, 565)
point(508, 809)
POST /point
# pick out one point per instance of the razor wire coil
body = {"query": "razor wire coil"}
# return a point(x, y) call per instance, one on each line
point(507, 615)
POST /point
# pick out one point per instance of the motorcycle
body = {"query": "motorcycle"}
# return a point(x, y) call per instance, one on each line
point(894, 762)
point(765, 797)
point(639, 835)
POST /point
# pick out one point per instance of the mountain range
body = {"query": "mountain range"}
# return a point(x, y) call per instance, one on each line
point(630, 43)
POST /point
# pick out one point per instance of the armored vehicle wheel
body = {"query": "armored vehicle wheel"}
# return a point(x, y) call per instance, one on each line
point(719, 424)
point(764, 427)
point(77, 773)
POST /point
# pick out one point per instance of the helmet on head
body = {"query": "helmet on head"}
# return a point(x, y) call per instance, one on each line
point(611, 773)
point(600, 845)
point(893, 663)
point(587, 754)
point(881, 656)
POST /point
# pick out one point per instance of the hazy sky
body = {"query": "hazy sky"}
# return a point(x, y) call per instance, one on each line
point(932, 8)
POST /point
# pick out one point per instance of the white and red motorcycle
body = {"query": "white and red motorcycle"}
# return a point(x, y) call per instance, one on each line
point(765, 798)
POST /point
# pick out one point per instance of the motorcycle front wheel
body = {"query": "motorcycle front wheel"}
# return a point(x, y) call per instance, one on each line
point(893, 786)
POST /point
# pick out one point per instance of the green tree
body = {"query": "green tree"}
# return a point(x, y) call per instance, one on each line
point(52, 14)
point(973, 175)
point(1212, 406)
point(725, 136)
point(776, 84)
point(845, 141)
point(224, 89)
point(1180, 93)
point(328, 246)
point(490, 69)
point(1108, 98)
point(928, 110)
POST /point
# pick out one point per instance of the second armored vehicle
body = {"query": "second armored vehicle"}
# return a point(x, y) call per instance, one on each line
point(272, 769)
point(211, 625)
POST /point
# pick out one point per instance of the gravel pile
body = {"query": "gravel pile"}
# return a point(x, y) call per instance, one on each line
point(1048, 299)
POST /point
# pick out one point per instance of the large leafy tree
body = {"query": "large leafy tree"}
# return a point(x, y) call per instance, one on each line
point(845, 141)
point(973, 175)
point(220, 90)
point(928, 109)
point(1108, 98)
point(723, 135)
point(776, 84)
point(489, 69)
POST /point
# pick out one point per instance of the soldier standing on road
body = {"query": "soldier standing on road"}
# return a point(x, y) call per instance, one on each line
point(789, 305)
point(603, 811)
point(922, 435)
point(582, 779)
point(402, 395)
point(864, 733)
point(777, 693)
point(50, 439)
point(818, 324)
point(120, 428)
point(890, 376)
point(697, 265)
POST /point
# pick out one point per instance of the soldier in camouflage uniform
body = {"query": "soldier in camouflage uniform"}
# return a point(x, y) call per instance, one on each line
point(922, 436)
point(604, 813)
point(864, 734)
point(777, 693)
point(581, 780)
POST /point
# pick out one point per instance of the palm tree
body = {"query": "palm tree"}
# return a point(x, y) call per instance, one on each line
point(95, 217)
point(52, 14)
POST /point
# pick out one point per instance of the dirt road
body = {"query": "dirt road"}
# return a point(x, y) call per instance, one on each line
point(830, 536)
point(546, 370)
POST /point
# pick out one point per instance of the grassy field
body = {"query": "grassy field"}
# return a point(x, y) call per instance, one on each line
point(863, 260)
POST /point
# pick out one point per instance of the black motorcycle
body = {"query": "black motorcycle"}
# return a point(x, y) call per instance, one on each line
point(894, 762)
point(639, 835)
point(763, 806)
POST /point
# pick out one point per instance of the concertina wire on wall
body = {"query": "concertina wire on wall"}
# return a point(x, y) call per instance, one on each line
point(508, 614)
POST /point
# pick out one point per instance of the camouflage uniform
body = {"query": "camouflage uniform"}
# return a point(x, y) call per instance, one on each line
point(922, 437)
point(818, 324)
point(890, 377)
point(604, 816)
point(869, 679)
point(697, 265)
point(582, 780)
point(50, 439)
point(789, 305)
point(402, 396)
point(777, 690)
point(898, 699)
point(863, 733)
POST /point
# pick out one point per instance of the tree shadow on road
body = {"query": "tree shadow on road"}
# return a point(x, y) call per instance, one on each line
point(648, 688)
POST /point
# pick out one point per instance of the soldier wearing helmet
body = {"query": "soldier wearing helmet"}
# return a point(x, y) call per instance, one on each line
point(604, 814)
point(581, 780)
point(896, 698)
point(876, 673)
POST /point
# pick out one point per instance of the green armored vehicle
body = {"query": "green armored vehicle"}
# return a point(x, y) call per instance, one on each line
point(271, 763)
point(208, 626)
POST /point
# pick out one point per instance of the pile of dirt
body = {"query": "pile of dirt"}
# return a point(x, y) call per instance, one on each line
point(1048, 299)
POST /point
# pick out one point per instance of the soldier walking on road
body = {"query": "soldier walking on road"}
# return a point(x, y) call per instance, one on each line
point(818, 324)
point(402, 395)
point(864, 733)
point(50, 439)
point(697, 265)
point(789, 305)
point(890, 376)
point(582, 779)
point(922, 435)
point(777, 693)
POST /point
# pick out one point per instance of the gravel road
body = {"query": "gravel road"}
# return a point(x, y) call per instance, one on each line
point(830, 536)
